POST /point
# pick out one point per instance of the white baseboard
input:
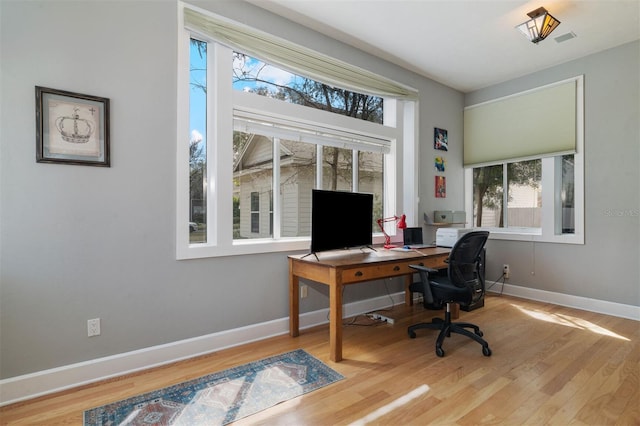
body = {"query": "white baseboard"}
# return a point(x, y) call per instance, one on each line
point(28, 386)
point(593, 305)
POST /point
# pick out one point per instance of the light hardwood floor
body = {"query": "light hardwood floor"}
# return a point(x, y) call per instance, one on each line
point(550, 365)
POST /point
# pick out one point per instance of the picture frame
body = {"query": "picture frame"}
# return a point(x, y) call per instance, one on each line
point(72, 128)
point(440, 187)
point(440, 139)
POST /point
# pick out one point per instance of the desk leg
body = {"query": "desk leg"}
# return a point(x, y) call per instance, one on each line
point(335, 321)
point(408, 296)
point(294, 300)
point(455, 311)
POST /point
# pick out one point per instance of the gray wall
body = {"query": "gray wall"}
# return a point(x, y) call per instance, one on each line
point(607, 266)
point(81, 242)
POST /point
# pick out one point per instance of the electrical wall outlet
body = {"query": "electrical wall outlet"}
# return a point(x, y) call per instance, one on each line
point(506, 271)
point(304, 291)
point(93, 327)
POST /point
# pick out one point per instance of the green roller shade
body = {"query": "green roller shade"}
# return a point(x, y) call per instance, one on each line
point(535, 123)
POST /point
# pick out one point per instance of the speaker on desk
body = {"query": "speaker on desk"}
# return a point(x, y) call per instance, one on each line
point(480, 302)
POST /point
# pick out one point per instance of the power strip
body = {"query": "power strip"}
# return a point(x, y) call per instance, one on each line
point(382, 318)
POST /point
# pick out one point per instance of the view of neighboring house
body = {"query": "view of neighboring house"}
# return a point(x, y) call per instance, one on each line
point(253, 183)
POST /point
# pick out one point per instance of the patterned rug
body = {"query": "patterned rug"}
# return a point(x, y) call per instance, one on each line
point(221, 398)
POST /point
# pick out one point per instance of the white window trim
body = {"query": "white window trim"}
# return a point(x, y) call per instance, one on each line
point(550, 215)
point(220, 240)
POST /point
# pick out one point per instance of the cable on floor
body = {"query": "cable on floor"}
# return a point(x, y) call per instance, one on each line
point(496, 281)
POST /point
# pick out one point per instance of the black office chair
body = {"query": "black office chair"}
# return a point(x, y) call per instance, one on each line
point(464, 284)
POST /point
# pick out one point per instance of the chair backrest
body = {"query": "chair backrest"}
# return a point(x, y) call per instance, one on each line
point(464, 263)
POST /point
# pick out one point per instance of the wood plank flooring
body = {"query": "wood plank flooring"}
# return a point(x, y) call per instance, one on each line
point(550, 366)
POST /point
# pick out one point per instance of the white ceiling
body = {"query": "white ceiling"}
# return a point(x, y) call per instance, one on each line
point(466, 44)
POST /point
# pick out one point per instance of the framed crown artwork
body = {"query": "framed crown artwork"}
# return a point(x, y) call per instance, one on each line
point(71, 128)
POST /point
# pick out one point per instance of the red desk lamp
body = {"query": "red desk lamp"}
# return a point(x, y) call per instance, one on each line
point(401, 225)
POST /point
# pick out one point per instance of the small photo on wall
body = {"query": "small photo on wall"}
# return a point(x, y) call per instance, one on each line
point(440, 139)
point(440, 163)
point(441, 187)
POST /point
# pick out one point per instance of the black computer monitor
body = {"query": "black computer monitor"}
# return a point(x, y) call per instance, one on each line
point(340, 219)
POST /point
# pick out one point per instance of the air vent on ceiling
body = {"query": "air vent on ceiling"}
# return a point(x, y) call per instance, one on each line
point(565, 37)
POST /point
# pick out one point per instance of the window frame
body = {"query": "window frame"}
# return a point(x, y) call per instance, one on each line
point(219, 241)
point(551, 182)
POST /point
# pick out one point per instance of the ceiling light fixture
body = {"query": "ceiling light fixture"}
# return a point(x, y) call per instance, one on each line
point(539, 26)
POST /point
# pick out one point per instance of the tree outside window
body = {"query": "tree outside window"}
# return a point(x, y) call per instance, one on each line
point(523, 196)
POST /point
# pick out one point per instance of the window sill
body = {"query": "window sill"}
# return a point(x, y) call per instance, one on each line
point(250, 246)
point(244, 247)
point(531, 234)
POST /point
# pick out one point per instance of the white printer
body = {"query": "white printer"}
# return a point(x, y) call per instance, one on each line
point(447, 237)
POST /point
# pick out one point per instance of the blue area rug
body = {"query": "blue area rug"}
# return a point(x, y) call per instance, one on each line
point(221, 398)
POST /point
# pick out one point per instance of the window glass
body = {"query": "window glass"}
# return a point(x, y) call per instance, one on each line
point(488, 196)
point(523, 180)
point(297, 179)
point(297, 173)
point(253, 183)
point(252, 75)
point(524, 196)
point(197, 142)
point(270, 212)
point(567, 194)
point(526, 210)
point(337, 169)
point(255, 212)
point(371, 180)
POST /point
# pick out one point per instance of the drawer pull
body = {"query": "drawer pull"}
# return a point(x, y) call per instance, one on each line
point(396, 268)
point(358, 273)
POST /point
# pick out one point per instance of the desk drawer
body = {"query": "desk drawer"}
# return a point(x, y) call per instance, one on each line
point(435, 262)
point(374, 272)
point(387, 270)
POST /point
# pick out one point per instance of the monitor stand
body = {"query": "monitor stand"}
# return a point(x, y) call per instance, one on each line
point(309, 254)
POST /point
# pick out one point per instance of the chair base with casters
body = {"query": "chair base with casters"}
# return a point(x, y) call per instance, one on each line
point(447, 327)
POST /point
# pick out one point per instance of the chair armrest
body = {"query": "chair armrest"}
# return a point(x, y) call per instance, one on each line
point(423, 286)
point(424, 268)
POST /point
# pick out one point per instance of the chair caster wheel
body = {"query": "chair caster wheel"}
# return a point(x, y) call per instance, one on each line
point(412, 334)
point(440, 352)
point(486, 351)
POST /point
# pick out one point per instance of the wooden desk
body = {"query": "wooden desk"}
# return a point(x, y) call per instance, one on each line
point(337, 269)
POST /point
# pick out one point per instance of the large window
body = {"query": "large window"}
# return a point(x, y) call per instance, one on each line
point(259, 138)
point(524, 174)
point(262, 138)
point(540, 200)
